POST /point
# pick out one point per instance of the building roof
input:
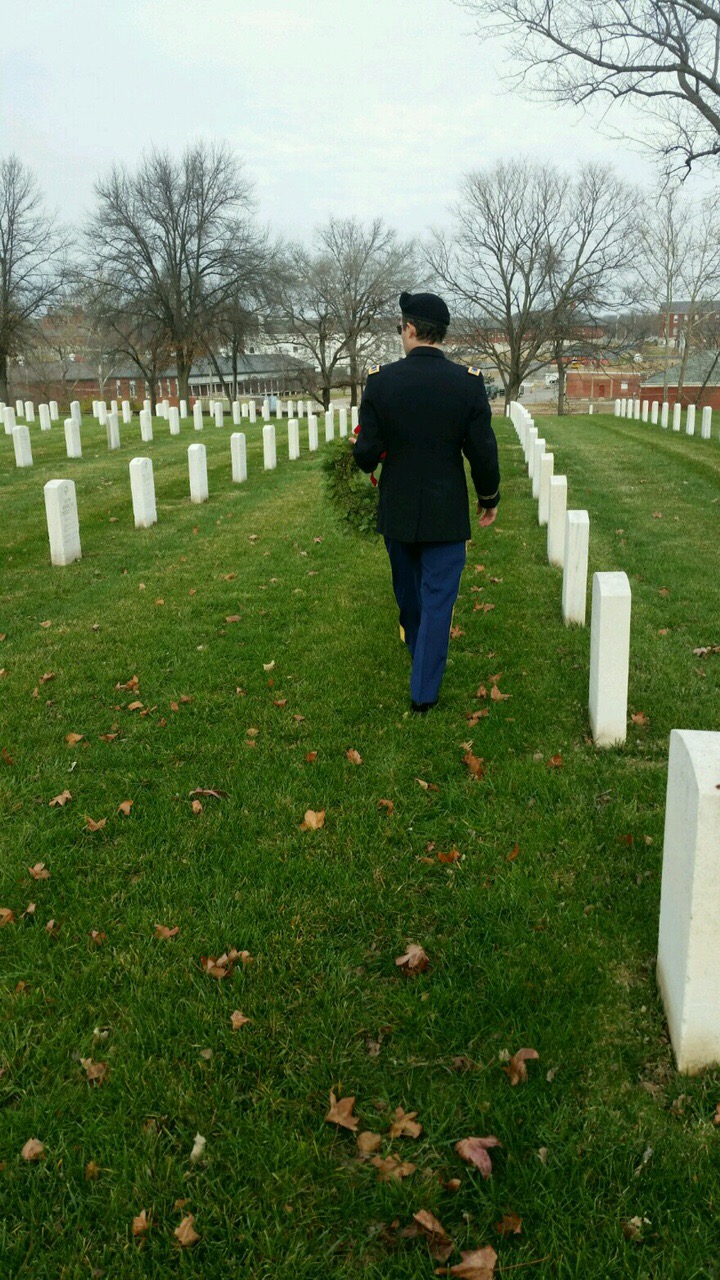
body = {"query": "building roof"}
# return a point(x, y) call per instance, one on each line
point(697, 369)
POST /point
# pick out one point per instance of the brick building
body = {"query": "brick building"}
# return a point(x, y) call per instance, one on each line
point(701, 383)
point(602, 384)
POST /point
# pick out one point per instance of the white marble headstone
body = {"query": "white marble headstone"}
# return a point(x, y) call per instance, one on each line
point(62, 521)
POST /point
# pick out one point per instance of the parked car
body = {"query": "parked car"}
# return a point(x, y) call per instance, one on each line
point(552, 379)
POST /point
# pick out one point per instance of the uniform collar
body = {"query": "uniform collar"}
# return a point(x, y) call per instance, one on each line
point(426, 351)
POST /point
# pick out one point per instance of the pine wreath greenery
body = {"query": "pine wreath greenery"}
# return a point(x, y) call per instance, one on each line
point(352, 496)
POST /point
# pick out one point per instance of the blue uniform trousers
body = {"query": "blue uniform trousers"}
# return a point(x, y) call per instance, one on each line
point(426, 580)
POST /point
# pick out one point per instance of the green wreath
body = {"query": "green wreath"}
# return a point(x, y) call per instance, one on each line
point(352, 496)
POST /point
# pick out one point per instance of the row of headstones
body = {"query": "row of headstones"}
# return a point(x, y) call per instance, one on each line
point(61, 500)
point(644, 411)
point(568, 545)
point(688, 964)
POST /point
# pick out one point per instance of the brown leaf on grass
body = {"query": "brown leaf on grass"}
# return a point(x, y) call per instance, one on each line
point(196, 806)
point(49, 675)
point(30, 909)
point(497, 696)
point(478, 1264)
point(132, 683)
point(92, 1171)
point(73, 738)
point(97, 936)
point(33, 1150)
point(160, 601)
point(53, 928)
point(516, 1069)
point(135, 706)
point(39, 871)
point(479, 568)
point(453, 856)
point(510, 1225)
point(59, 801)
point(340, 1112)
point(125, 807)
point(7, 916)
point(415, 960)
point(514, 853)
point(185, 1234)
point(107, 737)
point(392, 1168)
point(238, 1020)
point(387, 805)
point(472, 717)
point(639, 718)
point(209, 791)
point(162, 931)
point(404, 1124)
point(313, 820)
point(233, 617)
point(456, 633)
point(187, 697)
point(475, 765)
point(223, 966)
point(228, 577)
point(716, 1117)
point(46, 624)
point(368, 1142)
point(555, 762)
point(664, 591)
point(354, 756)
point(280, 702)
point(439, 1243)
point(426, 786)
point(298, 718)
point(96, 1072)
point(475, 1151)
point(496, 580)
point(92, 825)
point(7, 758)
point(268, 666)
point(174, 706)
point(141, 1223)
point(311, 756)
point(240, 693)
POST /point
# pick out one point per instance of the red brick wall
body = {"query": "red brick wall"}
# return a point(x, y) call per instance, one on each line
point(689, 395)
point(596, 385)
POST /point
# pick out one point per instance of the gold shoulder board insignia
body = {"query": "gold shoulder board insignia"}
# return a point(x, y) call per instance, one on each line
point(373, 368)
point(474, 370)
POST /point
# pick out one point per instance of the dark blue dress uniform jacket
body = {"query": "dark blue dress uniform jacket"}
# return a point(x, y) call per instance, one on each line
point(425, 412)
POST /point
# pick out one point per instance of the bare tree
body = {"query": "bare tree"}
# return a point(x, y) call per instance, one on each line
point(593, 245)
point(258, 278)
point(371, 267)
point(309, 308)
point(664, 243)
point(33, 259)
point(166, 238)
point(496, 263)
point(661, 54)
point(700, 281)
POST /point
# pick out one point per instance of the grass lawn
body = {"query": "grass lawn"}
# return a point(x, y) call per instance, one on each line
point(541, 935)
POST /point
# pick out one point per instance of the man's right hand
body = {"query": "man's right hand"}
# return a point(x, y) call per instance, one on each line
point(487, 516)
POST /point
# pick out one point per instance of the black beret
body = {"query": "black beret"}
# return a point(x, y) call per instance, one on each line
point(425, 306)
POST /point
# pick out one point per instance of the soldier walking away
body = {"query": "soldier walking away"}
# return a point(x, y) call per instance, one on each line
point(420, 416)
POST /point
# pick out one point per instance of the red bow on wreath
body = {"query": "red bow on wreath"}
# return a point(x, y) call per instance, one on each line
point(373, 481)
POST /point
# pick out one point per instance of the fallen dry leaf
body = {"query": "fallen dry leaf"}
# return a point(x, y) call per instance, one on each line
point(49, 675)
point(555, 762)
point(125, 807)
point(209, 791)
point(141, 1223)
point(46, 624)
point(516, 1069)
point(196, 806)
point(7, 916)
point(439, 1243)
point(478, 1264)
point(233, 617)
point(162, 931)
point(268, 666)
point(7, 758)
point(453, 856)
point(135, 706)
point(238, 1020)
point(386, 804)
point(92, 1171)
point(510, 1225)
point(33, 1150)
point(475, 765)
point(97, 936)
point(313, 820)
point(107, 737)
point(96, 1072)
point(497, 696)
point(53, 928)
point(92, 825)
point(279, 702)
point(404, 1124)
point(132, 683)
point(514, 853)
point(415, 960)
point(664, 591)
point(368, 1142)
point(426, 786)
point(199, 1145)
point(392, 1168)
point(340, 1112)
point(354, 756)
point(475, 1151)
point(60, 800)
point(39, 871)
point(73, 738)
point(456, 632)
point(311, 756)
point(639, 718)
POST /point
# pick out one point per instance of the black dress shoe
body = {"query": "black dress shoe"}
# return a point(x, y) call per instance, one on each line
point(422, 708)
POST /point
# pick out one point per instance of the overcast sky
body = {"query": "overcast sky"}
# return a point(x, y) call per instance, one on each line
point(359, 107)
